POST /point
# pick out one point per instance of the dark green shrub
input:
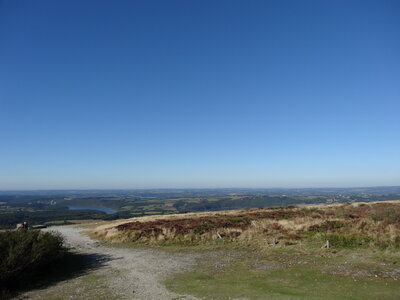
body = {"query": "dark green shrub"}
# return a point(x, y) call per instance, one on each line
point(347, 241)
point(391, 215)
point(396, 242)
point(326, 226)
point(24, 252)
point(202, 228)
point(382, 244)
point(385, 244)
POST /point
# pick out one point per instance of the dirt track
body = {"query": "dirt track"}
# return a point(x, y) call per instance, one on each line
point(128, 273)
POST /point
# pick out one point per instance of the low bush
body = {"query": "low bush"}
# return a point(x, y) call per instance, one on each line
point(326, 226)
point(390, 214)
point(388, 243)
point(396, 242)
point(25, 252)
point(347, 241)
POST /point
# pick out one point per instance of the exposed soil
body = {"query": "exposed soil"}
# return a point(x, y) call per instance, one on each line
point(127, 274)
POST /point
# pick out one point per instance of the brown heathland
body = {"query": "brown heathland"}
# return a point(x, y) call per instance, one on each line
point(374, 224)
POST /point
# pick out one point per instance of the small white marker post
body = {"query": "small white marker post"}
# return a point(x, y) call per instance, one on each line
point(326, 245)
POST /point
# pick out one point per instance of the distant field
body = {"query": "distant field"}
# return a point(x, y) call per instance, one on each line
point(39, 209)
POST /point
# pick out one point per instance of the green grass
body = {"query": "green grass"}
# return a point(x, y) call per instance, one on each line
point(91, 278)
point(290, 280)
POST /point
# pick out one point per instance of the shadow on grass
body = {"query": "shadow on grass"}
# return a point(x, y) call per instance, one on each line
point(70, 266)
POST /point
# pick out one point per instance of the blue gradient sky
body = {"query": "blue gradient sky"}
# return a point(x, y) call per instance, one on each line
point(138, 94)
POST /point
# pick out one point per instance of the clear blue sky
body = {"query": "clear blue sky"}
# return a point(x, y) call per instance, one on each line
point(138, 94)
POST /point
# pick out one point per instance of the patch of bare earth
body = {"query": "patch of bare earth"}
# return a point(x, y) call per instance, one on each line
point(127, 273)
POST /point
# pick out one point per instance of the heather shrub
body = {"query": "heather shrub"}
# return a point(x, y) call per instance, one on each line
point(23, 253)
point(347, 241)
point(389, 214)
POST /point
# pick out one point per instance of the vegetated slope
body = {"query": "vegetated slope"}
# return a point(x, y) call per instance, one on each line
point(374, 224)
point(25, 254)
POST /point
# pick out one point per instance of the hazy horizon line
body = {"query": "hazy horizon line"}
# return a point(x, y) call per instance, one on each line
point(199, 188)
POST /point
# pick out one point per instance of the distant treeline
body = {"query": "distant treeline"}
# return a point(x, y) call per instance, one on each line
point(39, 210)
point(228, 203)
point(264, 201)
point(9, 220)
point(23, 198)
point(109, 202)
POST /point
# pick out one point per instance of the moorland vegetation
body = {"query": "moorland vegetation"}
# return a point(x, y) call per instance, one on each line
point(367, 225)
point(25, 254)
point(277, 253)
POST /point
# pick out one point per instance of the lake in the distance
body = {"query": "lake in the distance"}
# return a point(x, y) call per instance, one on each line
point(108, 211)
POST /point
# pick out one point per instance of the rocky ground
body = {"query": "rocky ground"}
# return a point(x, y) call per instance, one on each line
point(120, 273)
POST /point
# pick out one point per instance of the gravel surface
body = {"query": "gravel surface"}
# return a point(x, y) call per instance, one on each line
point(129, 273)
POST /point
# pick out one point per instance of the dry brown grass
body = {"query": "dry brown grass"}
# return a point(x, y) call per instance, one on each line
point(375, 224)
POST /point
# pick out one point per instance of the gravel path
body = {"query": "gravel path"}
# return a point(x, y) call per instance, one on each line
point(130, 273)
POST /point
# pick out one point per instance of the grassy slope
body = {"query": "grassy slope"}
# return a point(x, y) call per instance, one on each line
point(246, 266)
point(287, 275)
point(293, 283)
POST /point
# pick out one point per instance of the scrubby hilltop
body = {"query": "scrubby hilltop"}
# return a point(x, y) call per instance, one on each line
point(367, 225)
